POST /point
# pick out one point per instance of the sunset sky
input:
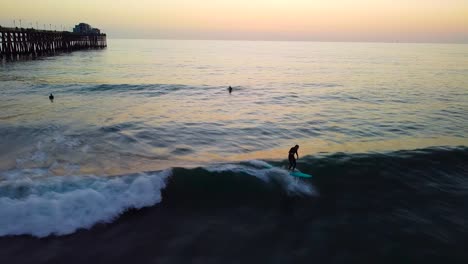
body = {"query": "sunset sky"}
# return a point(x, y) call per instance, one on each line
point(330, 20)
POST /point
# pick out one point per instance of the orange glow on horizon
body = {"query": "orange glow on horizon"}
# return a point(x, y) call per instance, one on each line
point(254, 19)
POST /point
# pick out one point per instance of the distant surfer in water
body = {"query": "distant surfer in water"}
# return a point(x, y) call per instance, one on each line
point(292, 159)
point(230, 89)
point(51, 97)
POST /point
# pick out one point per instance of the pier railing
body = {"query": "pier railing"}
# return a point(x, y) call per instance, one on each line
point(15, 42)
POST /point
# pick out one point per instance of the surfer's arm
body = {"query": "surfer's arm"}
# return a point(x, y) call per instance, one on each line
point(297, 154)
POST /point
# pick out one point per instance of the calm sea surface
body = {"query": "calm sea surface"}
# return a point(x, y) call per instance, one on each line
point(153, 104)
point(383, 129)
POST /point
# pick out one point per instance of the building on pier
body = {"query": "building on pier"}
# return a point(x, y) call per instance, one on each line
point(84, 28)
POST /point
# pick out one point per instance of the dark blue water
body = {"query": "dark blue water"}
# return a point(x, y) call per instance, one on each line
point(382, 127)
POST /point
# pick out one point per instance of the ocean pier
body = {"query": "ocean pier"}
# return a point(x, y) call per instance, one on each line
point(28, 42)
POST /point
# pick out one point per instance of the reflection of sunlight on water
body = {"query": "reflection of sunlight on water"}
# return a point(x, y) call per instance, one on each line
point(168, 106)
point(316, 146)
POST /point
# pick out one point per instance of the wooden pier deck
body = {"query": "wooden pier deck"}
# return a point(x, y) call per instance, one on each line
point(18, 42)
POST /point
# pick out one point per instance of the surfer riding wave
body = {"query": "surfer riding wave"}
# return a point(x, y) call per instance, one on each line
point(291, 158)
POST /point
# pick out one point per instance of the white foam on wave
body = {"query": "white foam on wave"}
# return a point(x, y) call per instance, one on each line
point(62, 205)
point(267, 173)
point(260, 163)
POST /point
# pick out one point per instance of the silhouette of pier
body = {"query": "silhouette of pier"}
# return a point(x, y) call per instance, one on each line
point(19, 42)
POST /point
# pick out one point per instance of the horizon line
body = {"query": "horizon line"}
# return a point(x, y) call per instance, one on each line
point(293, 40)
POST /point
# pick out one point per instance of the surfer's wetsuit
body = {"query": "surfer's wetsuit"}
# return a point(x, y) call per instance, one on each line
point(292, 159)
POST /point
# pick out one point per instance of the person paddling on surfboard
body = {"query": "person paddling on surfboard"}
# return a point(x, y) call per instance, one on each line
point(292, 159)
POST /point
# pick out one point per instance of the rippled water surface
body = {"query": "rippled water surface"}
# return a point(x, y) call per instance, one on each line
point(151, 104)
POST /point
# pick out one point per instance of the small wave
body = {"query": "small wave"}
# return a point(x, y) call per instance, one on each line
point(321, 85)
point(144, 89)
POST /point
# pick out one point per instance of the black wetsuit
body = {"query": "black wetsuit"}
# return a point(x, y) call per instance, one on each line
point(292, 159)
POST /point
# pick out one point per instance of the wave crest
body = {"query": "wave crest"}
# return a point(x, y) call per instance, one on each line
point(61, 205)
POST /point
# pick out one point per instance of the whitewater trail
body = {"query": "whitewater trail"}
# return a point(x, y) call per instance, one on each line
point(35, 203)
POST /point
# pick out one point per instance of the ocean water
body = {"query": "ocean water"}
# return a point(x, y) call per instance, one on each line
point(382, 127)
